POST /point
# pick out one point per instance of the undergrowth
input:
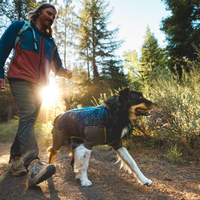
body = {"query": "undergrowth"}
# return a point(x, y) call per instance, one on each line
point(176, 120)
point(43, 134)
point(8, 130)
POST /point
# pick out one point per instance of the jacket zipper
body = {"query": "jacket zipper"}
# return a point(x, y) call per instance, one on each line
point(40, 57)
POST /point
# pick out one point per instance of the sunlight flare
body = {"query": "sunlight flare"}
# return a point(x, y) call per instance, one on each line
point(49, 95)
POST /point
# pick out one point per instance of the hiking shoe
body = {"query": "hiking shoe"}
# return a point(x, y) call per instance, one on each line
point(39, 171)
point(16, 167)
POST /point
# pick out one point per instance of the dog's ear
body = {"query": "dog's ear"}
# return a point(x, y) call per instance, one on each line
point(124, 95)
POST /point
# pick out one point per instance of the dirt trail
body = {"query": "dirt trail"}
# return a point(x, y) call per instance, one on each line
point(109, 181)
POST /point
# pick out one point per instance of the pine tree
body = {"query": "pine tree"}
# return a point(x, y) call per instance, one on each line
point(182, 31)
point(152, 57)
point(97, 44)
point(113, 74)
point(150, 52)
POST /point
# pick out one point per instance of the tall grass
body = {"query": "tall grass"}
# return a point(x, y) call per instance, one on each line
point(174, 154)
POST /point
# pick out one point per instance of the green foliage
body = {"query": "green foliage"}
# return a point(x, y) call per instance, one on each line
point(152, 57)
point(131, 65)
point(150, 142)
point(90, 90)
point(43, 134)
point(176, 119)
point(178, 102)
point(177, 116)
point(96, 43)
point(8, 130)
point(151, 54)
point(174, 154)
point(113, 75)
point(182, 31)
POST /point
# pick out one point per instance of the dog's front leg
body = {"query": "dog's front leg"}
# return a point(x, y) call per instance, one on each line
point(128, 163)
point(81, 163)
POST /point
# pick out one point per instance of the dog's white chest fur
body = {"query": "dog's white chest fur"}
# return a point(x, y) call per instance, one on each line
point(124, 132)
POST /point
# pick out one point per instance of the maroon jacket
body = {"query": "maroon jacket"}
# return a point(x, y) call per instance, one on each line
point(29, 63)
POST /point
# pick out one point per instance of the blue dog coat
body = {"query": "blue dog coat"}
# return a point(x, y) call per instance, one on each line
point(88, 124)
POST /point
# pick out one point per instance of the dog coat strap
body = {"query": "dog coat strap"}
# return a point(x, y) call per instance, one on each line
point(104, 128)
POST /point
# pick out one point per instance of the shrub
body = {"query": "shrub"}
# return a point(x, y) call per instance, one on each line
point(178, 104)
point(174, 154)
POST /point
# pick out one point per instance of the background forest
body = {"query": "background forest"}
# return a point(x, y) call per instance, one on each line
point(168, 76)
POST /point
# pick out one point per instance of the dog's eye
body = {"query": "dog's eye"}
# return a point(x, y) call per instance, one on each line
point(141, 97)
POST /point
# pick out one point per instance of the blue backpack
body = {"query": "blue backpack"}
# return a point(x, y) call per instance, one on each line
point(26, 26)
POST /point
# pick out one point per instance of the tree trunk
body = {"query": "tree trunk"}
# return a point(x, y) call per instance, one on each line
point(95, 72)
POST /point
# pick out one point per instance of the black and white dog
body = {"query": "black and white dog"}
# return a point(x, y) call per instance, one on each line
point(107, 124)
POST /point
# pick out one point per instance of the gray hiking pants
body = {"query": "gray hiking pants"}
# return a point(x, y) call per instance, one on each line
point(28, 99)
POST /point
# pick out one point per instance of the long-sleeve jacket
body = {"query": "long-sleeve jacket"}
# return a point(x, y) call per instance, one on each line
point(29, 63)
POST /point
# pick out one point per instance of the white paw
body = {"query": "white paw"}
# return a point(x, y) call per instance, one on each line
point(86, 183)
point(148, 183)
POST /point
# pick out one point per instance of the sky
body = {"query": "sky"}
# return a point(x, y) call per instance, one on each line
point(133, 17)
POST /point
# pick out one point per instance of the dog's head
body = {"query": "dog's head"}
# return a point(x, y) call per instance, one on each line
point(135, 103)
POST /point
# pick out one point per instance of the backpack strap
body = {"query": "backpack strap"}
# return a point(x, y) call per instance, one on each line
point(26, 26)
point(54, 44)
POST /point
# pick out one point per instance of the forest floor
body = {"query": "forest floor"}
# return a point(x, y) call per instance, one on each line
point(170, 181)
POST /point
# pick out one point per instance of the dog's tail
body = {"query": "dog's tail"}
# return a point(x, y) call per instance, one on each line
point(54, 122)
point(56, 119)
point(52, 153)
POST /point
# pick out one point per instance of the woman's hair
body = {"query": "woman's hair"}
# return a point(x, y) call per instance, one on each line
point(33, 15)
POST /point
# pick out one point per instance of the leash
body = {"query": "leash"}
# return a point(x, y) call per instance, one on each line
point(135, 125)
